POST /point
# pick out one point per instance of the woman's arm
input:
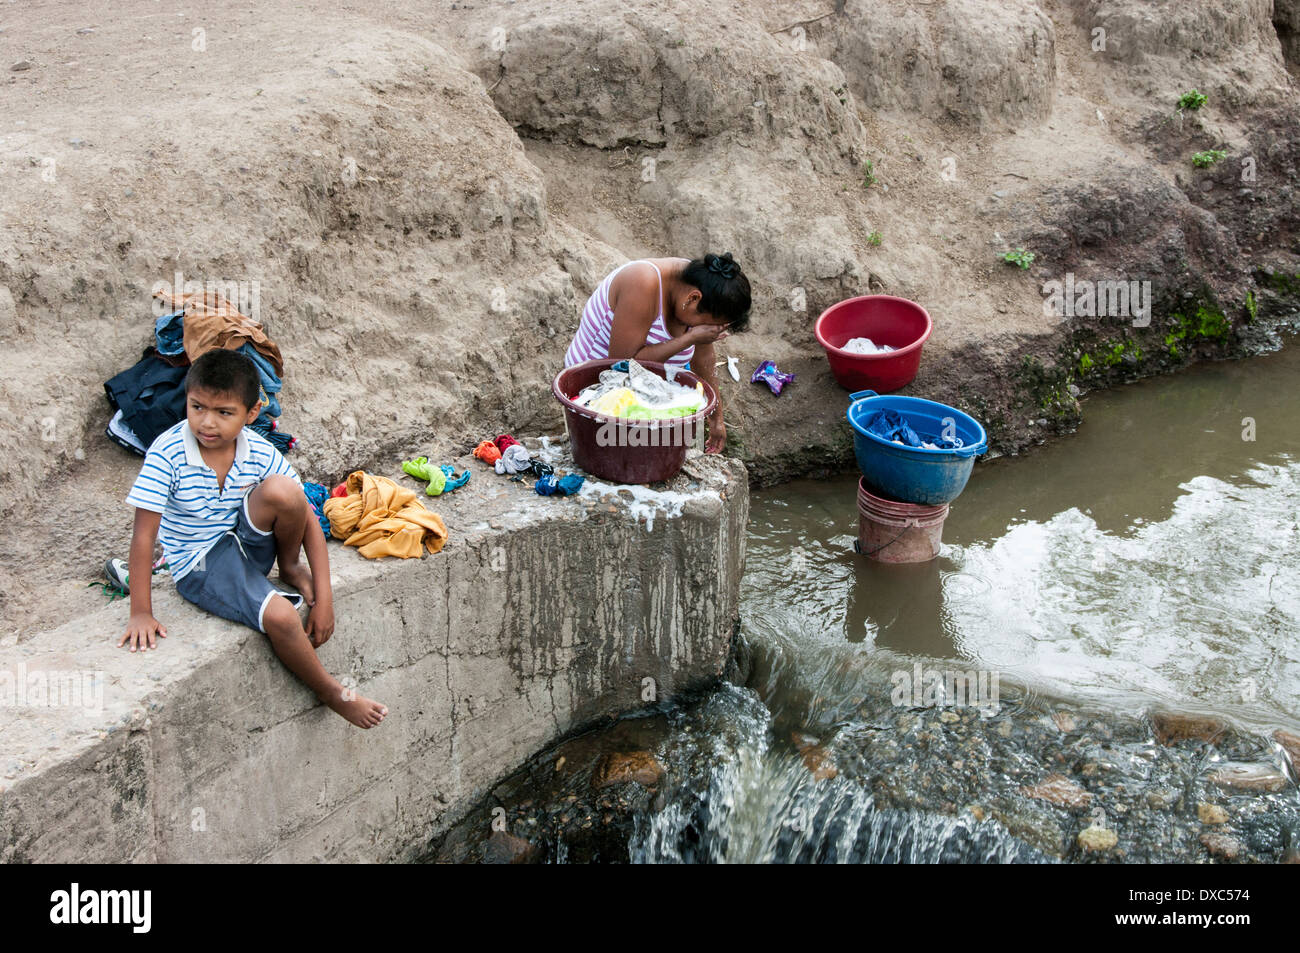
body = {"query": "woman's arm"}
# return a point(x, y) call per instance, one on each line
point(634, 295)
point(702, 363)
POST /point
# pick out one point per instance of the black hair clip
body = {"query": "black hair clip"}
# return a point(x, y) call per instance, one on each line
point(724, 266)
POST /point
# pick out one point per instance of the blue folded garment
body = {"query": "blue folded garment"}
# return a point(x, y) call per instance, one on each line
point(169, 333)
point(565, 486)
point(890, 425)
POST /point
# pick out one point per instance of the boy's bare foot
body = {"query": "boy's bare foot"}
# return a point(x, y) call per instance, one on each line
point(299, 576)
point(361, 711)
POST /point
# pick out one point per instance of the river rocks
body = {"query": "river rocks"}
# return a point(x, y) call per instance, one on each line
point(1064, 721)
point(1162, 799)
point(1173, 727)
point(1289, 741)
point(1036, 826)
point(1248, 777)
point(1096, 838)
point(1222, 845)
point(815, 757)
point(503, 848)
point(1208, 813)
point(1291, 845)
point(1059, 790)
point(619, 768)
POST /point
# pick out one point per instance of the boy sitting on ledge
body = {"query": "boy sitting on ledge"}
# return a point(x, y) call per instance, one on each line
point(212, 485)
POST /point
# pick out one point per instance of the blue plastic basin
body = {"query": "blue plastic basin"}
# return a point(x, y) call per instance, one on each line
point(914, 474)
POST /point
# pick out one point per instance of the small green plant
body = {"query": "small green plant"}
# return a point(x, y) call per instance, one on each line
point(1206, 324)
point(869, 179)
point(1203, 160)
point(875, 238)
point(1251, 307)
point(1192, 100)
point(1019, 257)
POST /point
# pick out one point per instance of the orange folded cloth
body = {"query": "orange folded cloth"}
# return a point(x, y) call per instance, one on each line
point(487, 452)
point(381, 519)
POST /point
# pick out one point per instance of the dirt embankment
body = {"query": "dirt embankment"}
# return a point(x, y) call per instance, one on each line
point(426, 194)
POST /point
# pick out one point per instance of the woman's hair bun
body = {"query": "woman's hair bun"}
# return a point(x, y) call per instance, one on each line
point(722, 265)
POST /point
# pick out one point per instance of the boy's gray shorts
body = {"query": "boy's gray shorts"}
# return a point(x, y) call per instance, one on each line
point(230, 580)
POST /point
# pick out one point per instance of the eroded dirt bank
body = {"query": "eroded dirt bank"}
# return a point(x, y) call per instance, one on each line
point(426, 195)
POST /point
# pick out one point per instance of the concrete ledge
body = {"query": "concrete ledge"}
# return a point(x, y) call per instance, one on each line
point(539, 616)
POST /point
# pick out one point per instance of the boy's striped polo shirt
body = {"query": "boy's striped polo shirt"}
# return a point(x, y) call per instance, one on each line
point(175, 482)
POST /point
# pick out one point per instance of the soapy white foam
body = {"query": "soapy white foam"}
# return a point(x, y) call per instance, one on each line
point(546, 453)
point(645, 501)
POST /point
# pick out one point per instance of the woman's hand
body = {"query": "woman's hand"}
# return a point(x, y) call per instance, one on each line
point(717, 435)
point(706, 334)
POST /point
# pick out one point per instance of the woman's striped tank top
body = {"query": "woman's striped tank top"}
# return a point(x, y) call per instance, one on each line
point(591, 342)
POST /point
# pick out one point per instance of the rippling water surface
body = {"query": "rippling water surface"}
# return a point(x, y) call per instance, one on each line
point(1154, 557)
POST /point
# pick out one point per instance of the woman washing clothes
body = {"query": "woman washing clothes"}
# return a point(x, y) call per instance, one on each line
point(667, 310)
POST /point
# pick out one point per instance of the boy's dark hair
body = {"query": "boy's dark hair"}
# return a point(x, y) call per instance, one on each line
point(226, 372)
point(724, 289)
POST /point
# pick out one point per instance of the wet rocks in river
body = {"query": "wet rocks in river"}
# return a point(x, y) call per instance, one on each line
point(1058, 790)
point(1162, 799)
point(1290, 743)
point(1208, 813)
point(503, 848)
point(815, 758)
point(620, 767)
point(1222, 845)
point(1173, 727)
point(1097, 838)
point(914, 786)
point(1248, 777)
point(1064, 721)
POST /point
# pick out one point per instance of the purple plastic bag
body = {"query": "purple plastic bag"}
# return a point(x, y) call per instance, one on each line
point(766, 373)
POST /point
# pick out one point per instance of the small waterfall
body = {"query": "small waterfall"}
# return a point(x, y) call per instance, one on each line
point(757, 805)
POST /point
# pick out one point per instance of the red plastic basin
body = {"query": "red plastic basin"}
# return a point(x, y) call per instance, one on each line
point(627, 451)
point(885, 319)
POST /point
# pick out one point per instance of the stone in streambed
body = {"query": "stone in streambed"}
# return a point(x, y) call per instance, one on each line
point(1208, 813)
point(1162, 799)
point(815, 758)
point(1173, 727)
point(1097, 838)
point(1256, 778)
point(618, 767)
point(1290, 742)
point(503, 848)
point(1222, 845)
point(1058, 790)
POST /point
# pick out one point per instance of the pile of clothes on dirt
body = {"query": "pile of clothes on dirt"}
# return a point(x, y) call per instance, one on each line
point(637, 393)
point(149, 397)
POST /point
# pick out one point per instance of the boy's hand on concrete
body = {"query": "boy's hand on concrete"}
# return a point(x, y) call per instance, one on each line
point(140, 632)
point(320, 621)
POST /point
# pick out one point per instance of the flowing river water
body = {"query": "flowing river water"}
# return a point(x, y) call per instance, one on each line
point(1148, 562)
